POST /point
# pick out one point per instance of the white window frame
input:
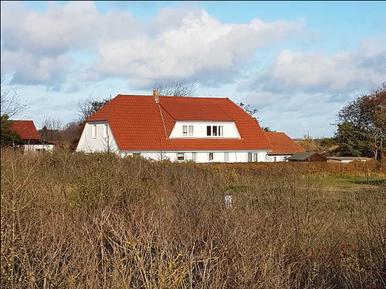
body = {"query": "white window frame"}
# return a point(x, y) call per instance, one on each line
point(220, 130)
point(190, 130)
point(250, 157)
point(179, 155)
point(184, 130)
point(215, 130)
point(210, 130)
point(93, 131)
point(194, 156)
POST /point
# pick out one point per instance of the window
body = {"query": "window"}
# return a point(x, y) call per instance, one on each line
point(220, 130)
point(190, 130)
point(214, 129)
point(249, 157)
point(274, 159)
point(226, 157)
point(184, 130)
point(210, 156)
point(194, 156)
point(208, 130)
point(255, 157)
point(105, 130)
point(180, 156)
point(93, 130)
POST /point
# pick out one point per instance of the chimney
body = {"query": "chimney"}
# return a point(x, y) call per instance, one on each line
point(156, 95)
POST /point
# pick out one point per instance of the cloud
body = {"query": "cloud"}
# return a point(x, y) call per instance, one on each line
point(347, 72)
point(302, 90)
point(176, 44)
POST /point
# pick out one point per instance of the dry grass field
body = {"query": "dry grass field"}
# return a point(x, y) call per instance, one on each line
point(95, 221)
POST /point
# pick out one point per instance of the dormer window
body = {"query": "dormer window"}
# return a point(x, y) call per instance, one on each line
point(214, 130)
point(187, 130)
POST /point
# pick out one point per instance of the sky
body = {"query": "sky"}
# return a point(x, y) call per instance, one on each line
point(297, 63)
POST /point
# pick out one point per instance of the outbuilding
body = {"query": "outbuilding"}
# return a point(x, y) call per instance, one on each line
point(307, 157)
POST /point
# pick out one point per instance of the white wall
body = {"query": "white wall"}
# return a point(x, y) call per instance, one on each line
point(38, 147)
point(276, 158)
point(101, 142)
point(199, 129)
point(203, 157)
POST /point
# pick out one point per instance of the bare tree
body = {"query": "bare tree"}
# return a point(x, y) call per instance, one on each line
point(176, 88)
point(51, 129)
point(90, 106)
point(11, 104)
point(249, 109)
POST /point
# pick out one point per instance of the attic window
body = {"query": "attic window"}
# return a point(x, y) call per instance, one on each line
point(184, 130)
point(190, 130)
point(214, 130)
point(187, 130)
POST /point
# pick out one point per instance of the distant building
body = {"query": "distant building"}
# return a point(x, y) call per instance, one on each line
point(307, 157)
point(347, 159)
point(282, 147)
point(30, 137)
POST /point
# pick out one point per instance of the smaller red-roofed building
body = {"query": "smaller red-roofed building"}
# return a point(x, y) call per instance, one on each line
point(30, 137)
point(282, 147)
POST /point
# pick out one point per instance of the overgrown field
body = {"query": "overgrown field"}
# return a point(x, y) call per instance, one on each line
point(95, 221)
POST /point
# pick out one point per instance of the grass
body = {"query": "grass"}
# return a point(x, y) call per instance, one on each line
point(96, 221)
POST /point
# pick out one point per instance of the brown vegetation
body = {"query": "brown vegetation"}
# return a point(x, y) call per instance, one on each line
point(95, 221)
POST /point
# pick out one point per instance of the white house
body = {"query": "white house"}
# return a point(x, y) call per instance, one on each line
point(282, 146)
point(200, 129)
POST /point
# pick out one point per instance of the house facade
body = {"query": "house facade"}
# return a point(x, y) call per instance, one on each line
point(282, 146)
point(199, 129)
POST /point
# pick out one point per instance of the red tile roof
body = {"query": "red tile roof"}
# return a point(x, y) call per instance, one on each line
point(25, 129)
point(137, 125)
point(282, 144)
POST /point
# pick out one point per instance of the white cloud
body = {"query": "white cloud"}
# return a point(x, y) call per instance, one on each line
point(302, 90)
point(176, 44)
point(346, 72)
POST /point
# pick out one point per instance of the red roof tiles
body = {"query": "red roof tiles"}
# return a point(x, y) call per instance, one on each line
point(25, 129)
point(282, 144)
point(140, 124)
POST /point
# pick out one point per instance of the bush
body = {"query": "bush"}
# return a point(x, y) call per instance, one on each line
point(71, 220)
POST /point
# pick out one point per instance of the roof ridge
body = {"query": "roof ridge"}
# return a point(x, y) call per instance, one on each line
point(170, 96)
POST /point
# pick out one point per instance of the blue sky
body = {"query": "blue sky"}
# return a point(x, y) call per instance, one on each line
point(298, 63)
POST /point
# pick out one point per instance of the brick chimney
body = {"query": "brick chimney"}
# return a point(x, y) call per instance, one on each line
point(156, 95)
